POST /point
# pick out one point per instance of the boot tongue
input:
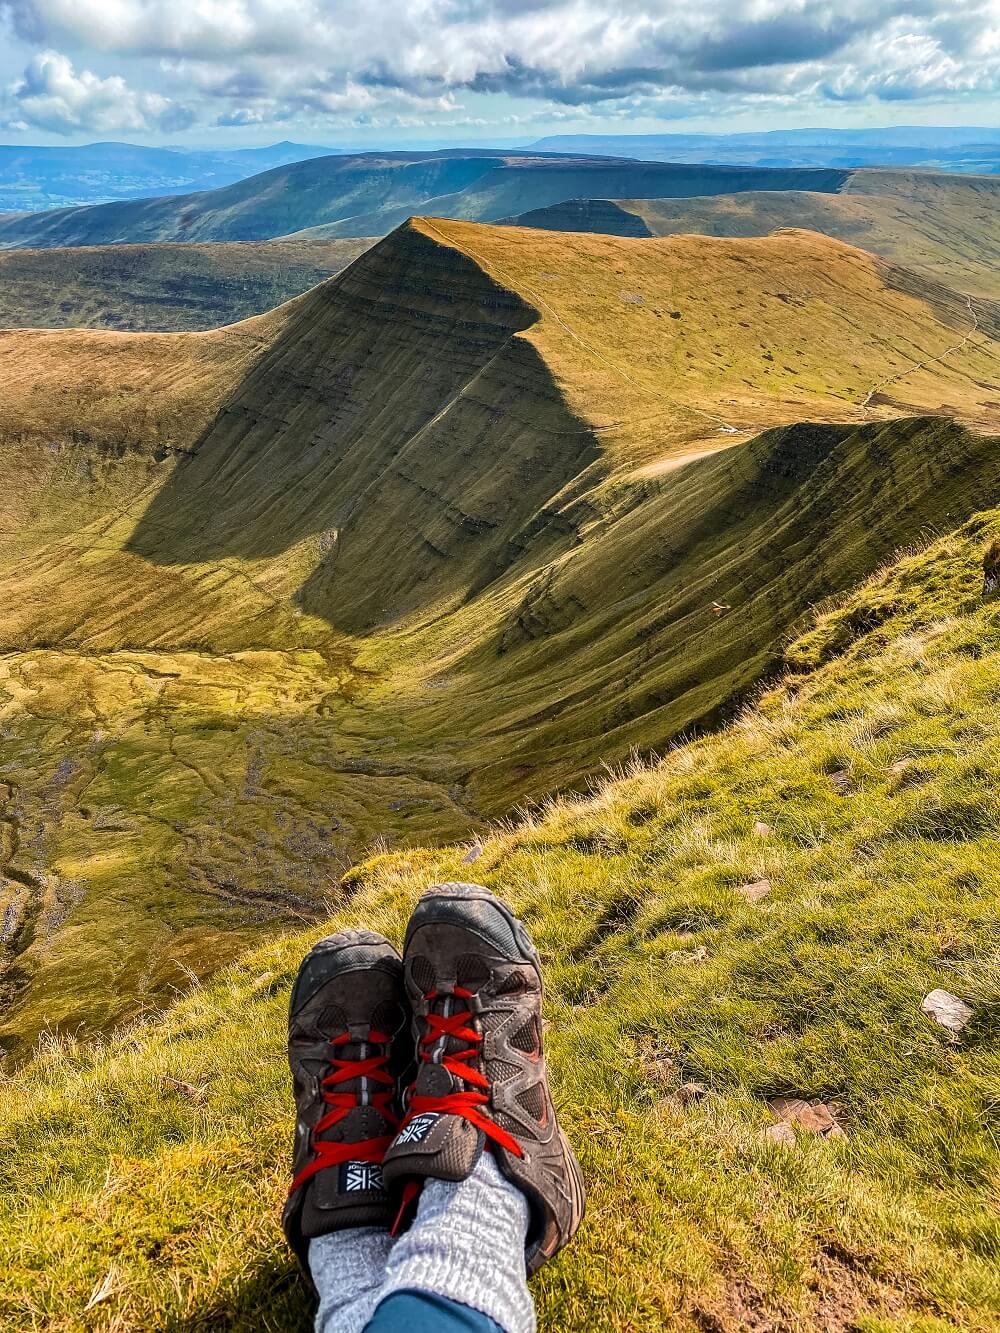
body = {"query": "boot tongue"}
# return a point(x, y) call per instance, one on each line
point(433, 1079)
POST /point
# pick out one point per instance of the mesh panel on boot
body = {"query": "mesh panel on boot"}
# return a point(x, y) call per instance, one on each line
point(533, 1101)
point(328, 1022)
point(526, 1038)
point(512, 984)
point(422, 973)
point(472, 971)
point(386, 1017)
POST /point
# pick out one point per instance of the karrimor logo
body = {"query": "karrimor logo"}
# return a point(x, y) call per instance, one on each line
point(418, 1128)
point(360, 1176)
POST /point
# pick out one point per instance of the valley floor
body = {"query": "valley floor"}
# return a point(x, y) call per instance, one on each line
point(758, 916)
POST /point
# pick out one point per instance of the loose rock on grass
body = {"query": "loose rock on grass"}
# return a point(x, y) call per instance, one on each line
point(946, 1009)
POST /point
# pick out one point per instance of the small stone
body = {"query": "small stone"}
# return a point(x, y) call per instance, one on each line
point(753, 893)
point(761, 829)
point(814, 1117)
point(900, 766)
point(188, 1090)
point(782, 1134)
point(946, 1009)
point(841, 781)
point(472, 855)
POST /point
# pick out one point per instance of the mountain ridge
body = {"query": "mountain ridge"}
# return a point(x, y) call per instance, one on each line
point(210, 644)
point(367, 194)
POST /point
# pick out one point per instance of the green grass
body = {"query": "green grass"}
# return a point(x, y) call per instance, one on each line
point(875, 768)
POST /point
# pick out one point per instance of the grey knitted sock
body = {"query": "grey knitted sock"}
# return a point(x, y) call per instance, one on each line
point(467, 1245)
point(348, 1268)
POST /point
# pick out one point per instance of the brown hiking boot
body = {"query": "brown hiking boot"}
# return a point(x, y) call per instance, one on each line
point(349, 1047)
point(474, 982)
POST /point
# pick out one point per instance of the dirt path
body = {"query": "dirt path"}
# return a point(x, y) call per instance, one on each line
point(865, 405)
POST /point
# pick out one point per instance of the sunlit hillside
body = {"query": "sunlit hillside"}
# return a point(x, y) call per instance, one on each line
point(945, 227)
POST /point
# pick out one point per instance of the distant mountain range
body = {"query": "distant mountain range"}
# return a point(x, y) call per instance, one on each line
point(942, 148)
point(34, 178)
point(369, 194)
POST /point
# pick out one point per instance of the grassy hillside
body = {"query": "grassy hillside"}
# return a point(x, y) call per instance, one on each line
point(369, 194)
point(161, 288)
point(441, 535)
point(947, 227)
point(142, 1177)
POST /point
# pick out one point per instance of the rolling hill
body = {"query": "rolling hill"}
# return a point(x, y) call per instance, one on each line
point(369, 194)
point(445, 533)
point(947, 227)
point(161, 288)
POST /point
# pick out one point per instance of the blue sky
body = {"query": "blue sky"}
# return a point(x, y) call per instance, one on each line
point(503, 71)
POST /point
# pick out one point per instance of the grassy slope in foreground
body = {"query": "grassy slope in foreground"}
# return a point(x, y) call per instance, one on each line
point(947, 227)
point(160, 288)
point(131, 1202)
point(220, 684)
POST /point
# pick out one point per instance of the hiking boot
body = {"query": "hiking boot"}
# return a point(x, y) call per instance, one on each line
point(348, 1047)
point(474, 982)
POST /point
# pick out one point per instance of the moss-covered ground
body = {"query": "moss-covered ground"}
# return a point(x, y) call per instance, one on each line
point(141, 1177)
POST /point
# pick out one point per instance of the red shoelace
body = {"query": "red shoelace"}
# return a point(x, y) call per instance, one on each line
point(468, 1103)
point(373, 1068)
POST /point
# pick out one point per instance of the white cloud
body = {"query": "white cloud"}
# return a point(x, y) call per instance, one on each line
point(52, 96)
point(252, 61)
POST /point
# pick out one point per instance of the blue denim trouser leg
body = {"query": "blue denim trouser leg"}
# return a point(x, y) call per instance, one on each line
point(420, 1312)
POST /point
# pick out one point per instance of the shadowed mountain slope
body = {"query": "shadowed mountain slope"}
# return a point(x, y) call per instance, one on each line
point(947, 227)
point(444, 533)
point(161, 288)
point(369, 194)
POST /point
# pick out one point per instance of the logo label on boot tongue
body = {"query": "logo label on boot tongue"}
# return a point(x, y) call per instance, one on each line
point(360, 1176)
point(418, 1128)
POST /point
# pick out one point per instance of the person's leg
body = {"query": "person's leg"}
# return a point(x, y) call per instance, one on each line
point(466, 1244)
point(348, 1271)
point(419, 1312)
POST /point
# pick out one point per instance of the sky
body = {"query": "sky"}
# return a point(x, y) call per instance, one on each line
point(392, 72)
